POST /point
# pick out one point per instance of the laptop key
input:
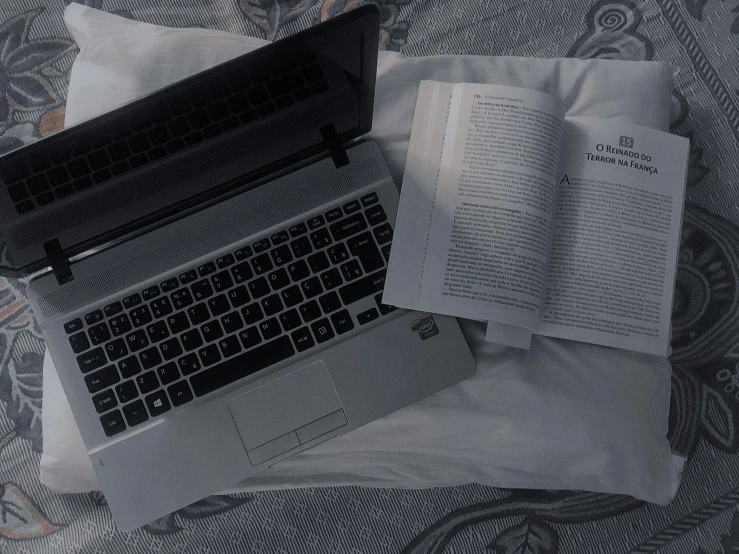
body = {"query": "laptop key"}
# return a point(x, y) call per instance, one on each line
point(178, 322)
point(181, 298)
point(242, 272)
point(348, 227)
point(280, 237)
point(92, 360)
point(292, 296)
point(271, 304)
point(161, 307)
point(147, 382)
point(104, 401)
point(367, 316)
point(211, 331)
point(232, 322)
point(261, 264)
point(135, 413)
point(238, 296)
point(150, 357)
point(102, 379)
point(384, 308)
point(366, 286)
point(290, 320)
point(310, 311)
point(297, 230)
point(281, 255)
point(369, 199)
point(126, 391)
point(334, 214)
point(351, 270)
point(252, 313)
point(259, 287)
point(261, 245)
point(131, 301)
point(298, 270)
point(157, 331)
point(222, 281)
point(375, 215)
point(301, 247)
point(383, 233)
point(206, 269)
point(209, 355)
point(157, 403)
point(129, 367)
point(243, 253)
point(116, 349)
point(201, 290)
point(322, 330)
point(311, 287)
point(351, 207)
point(79, 342)
point(250, 337)
point(94, 317)
point(168, 373)
point(140, 316)
point(278, 279)
point(320, 238)
point(363, 247)
point(113, 423)
point(338, 253)
point(218, 305)
point(180, 393)
point(242, 365)
point(331, 279)
point(188, 276)
point(171, 348)
point(229, 346)
point(316, 222)
point(170, 284)
point(342, 322)
point(189, 364)
point(270, 328)
point(112, 309)
point(225, 261)
point(99, 333)
point(330, 302)
point(137, 340)
point(303, 339)
point(318, 262)
point(73, 326)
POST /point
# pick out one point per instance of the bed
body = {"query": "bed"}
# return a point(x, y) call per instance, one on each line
point(700, 37)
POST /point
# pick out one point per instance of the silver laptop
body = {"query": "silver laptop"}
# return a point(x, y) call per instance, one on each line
point(212, 262)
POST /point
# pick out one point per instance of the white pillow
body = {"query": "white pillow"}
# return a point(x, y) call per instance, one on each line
point(562, 415)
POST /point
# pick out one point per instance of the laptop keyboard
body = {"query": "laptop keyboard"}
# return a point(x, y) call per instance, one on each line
point(177, 123)
point(233, 316)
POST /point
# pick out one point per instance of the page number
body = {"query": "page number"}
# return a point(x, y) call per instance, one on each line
point(628, 142)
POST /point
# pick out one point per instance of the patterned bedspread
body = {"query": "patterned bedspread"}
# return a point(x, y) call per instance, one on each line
point(701, 37)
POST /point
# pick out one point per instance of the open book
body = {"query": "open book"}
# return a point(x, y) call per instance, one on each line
point(537, 223)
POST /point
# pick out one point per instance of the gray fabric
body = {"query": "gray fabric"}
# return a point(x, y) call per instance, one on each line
point(701, 37)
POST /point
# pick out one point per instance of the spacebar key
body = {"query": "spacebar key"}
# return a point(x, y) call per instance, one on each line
point(241, 366)
point(371, 284)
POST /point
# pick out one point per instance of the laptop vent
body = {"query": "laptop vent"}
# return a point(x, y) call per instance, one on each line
point(226, 232)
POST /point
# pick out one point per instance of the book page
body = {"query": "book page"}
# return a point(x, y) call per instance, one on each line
point(616, 235)
point(485, 247)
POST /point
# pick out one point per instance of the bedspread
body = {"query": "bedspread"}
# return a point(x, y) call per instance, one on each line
point(701, 37)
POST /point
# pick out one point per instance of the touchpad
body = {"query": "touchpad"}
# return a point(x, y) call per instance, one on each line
point(284, 407)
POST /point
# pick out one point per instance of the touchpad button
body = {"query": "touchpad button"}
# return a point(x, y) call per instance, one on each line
point(283, 405)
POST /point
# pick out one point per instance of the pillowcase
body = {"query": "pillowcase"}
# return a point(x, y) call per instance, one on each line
point(562, 415)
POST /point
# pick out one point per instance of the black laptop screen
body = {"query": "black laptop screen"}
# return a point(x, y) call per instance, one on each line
point(186, 145)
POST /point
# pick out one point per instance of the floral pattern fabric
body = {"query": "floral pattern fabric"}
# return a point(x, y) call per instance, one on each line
point(701, 37)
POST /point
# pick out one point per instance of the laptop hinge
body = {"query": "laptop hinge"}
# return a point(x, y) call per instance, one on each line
point(59, 262)
point(335, 148)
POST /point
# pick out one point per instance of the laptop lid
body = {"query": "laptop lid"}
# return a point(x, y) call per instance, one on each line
point(187, 145)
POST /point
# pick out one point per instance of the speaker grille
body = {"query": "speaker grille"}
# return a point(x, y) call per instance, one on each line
point(226, 232)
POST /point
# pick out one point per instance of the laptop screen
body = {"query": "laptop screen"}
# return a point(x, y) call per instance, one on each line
point(188, 145)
